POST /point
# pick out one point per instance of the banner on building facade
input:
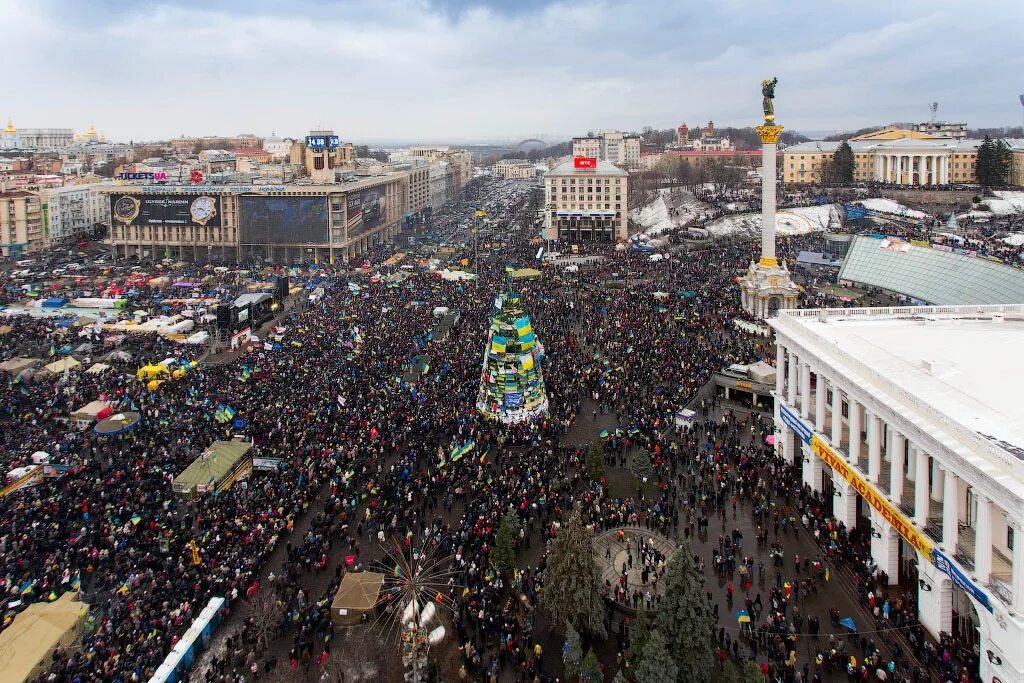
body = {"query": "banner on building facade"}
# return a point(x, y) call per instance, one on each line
point(903, 526)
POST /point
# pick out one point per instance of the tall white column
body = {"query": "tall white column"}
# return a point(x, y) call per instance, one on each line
point(937, 478)
point(805, 390)
point(951, 513)
point(983, 540)
point(1018, 568)
point(874, 447)
point(896, 457)
point(768, 152)
point(878, 167)
point(780, 368)
point(855, 429)
point(844, 506)
point(921, 173)
point(921, 503)
point(791, 383)
point(911, 462)
point(837, 416)
point(819, 403)
point(945, 170)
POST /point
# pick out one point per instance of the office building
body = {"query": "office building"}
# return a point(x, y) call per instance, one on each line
point(586, 201)
point(611, 146)
point(21, 224)
point(72, 212)
point(514, 168)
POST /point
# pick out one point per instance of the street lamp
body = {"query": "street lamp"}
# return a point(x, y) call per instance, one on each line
point(477, 215)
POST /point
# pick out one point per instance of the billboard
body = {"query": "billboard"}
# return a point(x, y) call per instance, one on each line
point(165, 209)
point(323, 141)
point(283, 220)
point(584, 162)
point(365, 209)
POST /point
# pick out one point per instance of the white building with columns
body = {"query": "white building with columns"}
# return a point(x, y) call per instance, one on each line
point(909, 421)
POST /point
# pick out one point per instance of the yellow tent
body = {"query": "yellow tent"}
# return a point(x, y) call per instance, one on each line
point(27, 645)
point(154, 384)
point(357, 595)
point(66, 363)
point(150, 371)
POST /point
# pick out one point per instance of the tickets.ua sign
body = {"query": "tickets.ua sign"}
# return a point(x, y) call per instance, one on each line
point(147, 175)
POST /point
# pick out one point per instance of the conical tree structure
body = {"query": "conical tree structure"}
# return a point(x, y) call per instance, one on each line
point(511, 384)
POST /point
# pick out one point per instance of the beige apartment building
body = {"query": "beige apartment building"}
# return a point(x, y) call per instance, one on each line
point(612, 146)
point(514, 168)
point(586, 202)
point(896, 156)
point(21, 224)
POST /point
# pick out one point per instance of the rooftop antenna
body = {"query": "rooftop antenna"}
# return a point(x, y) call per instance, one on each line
point(933, 107)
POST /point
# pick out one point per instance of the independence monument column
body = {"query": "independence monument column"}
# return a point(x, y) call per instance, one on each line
point(767, 285)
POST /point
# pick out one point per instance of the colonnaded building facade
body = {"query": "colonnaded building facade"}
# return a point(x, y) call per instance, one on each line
point(291, 223)
point(908, 420)
point(899, 157)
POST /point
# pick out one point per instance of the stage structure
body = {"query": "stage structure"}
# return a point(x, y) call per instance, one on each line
point(511, 383)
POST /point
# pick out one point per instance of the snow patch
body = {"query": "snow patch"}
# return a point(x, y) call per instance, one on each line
point(889, 206)
point(796, 221)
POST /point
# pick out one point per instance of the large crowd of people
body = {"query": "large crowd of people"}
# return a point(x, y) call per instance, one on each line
point(362, 461)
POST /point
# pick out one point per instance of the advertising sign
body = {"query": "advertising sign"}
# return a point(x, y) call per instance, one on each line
point(165, 209)
point(584, 162)
point(365, 209)
point(793, 421)
point(872, 496)
point(147, 175)
point(268, 464)
point(283, 220)
point(323, 141)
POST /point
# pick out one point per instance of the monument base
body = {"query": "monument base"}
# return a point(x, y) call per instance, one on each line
point(768, 287)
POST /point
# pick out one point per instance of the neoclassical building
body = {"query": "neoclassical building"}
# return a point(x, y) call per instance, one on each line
point(897, 156)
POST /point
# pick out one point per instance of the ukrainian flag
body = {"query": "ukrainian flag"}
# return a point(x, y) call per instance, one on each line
point(526, 362)
point(498, 344)
point(523, 326)
point(76, 584)
point(460, 451)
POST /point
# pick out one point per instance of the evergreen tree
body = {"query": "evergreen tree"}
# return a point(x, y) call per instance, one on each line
point(656, 664)
point(751, 673)
point(991, 165)
point(727, 673)
point(504, 554)
point(685, 619)
point(640, 465)
point(590, 670)
point(843, 165)
point(572, 652)
point(595, 461)
point(1003, 161)
point(639, 632)
point(620, 677)
point(572, 580)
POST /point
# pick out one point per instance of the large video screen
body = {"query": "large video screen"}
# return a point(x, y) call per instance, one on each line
point(165, 209)
point(366, 209)
point(283, 220)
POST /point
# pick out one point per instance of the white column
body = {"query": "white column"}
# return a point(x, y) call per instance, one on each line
point(878, 167)
point(896, 457)
point(768, 151)
point(937, 475)
point(819, 403)
point(844, 505)
point(780, 368)
point(921, 503)
point(855, 429)
point(805, 390)
point(885, 546)
point(791, 382)
point(951, 513)
point(983, 540)
point(899, 169)
point(874, 447)
point(911, 462)
point(1018, 568)
point(837, 416)
point(812, 468)
point(789, 445)
point(945, 170)
point(921, 172)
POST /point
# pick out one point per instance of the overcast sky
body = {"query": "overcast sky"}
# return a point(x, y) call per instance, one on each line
point(458, 70)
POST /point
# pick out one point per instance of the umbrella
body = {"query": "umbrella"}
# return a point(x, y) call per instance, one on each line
point(848, 623)
point(743, 616)
point(770, 439)
point(117, 423)
point(604, 434)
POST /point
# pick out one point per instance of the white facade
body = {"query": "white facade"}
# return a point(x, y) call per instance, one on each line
point(278, 148)
point(514, 168)
point(904, 413)
point(72, 211)
point(586, 204)
point(438, 184)
point(611, 146)
point(45, 138)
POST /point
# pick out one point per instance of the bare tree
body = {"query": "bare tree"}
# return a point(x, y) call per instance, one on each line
point(264, 612)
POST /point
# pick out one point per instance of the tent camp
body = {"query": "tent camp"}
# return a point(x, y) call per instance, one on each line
point(59, 366)
point(220, 465)
point(357, 595)
point(27, 645)
point(98, 368)
point(16, 365)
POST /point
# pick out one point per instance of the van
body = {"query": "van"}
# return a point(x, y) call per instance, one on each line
point(25, 263)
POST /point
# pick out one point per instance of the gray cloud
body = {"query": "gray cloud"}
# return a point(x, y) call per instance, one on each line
point(400, 69)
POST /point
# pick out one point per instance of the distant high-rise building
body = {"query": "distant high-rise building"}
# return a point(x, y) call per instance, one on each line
point(612, 146)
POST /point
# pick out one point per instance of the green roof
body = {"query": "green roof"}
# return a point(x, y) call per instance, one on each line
point(213, 466)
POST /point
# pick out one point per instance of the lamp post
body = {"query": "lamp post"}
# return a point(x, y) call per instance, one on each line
point(477, 215)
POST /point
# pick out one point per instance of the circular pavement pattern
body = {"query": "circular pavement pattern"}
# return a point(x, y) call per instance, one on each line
point(633, 548)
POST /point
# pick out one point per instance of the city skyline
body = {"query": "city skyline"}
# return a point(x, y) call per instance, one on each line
point(467, 70)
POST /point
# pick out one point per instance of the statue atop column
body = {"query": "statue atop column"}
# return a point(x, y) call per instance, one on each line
point(768, 91)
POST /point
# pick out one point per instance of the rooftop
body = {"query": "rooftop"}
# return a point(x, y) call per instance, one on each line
point(604, 168)
point(952, 370)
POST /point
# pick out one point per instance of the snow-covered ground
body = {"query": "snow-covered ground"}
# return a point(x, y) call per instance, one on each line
point(889, 206)
point(1015, 240)
point(1006, 202)
point(655, 217)
point(796, 221)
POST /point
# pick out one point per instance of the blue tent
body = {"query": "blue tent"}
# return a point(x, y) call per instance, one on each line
point(848, 623)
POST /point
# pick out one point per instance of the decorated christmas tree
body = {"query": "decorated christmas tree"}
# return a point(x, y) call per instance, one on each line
point(511, 384)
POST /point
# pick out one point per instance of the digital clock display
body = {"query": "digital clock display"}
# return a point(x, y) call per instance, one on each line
point(323, 141)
